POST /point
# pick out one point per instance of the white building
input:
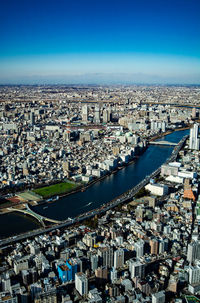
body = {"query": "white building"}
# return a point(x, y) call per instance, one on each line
point(81, 283)
point(194, 274)
point(187, 174)
point(194, 140)
point(113, 275)
point(139, 248)
point(97, 113)
point(193, 251)
point(85, 113)
point(157, 189)
point(137, 269)
point(175, 179)
point(158, 297)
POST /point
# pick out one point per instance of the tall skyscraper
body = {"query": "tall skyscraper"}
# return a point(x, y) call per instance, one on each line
point(194, 139)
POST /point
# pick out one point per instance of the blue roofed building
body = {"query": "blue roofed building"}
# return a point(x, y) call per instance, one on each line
point(68, 270)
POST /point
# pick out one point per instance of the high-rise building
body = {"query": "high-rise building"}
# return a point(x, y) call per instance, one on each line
point(158, 126)
point(85, 113)
point(113, 275)
point(194, 139)
point(32, 118)
point(158, 297)
point(101, 273)
point(135, 139)
point(139, 248)
point(137, 269)
point(97, 114)
point(94, 262)
point(106, 116)
point(67, 271)
point(194, 274)
point(119, 258)
point(6, 283)
point(81, 283)
point(154, 246)
point(106, 256)
point(90, 239)
point(193, 251)
point(194, 113)
point(163, 245)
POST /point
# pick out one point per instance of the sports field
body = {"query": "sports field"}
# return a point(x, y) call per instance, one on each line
point(56, 189)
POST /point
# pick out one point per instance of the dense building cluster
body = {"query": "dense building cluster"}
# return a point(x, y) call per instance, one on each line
point(146, 250)
point(49, 138)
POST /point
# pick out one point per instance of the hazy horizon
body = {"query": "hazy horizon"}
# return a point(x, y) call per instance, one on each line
point(100, 79)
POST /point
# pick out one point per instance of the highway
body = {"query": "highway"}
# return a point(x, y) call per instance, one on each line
point(117, 201)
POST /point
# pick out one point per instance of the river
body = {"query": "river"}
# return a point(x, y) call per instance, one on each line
point(97, 194)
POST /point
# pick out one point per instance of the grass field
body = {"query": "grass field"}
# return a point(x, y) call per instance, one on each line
point(56, 189)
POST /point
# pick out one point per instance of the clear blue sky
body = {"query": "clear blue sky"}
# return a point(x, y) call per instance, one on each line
point(58, 38)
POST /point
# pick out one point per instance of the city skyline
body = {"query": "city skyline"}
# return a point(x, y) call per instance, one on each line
point(100, 42)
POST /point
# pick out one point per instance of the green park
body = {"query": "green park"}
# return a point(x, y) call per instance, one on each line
point(55, 189)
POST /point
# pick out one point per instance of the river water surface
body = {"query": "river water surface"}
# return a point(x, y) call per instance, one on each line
point(97, 194)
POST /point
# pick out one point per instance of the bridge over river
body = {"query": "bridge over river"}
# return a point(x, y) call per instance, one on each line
point(162, 143)
point(40, 218)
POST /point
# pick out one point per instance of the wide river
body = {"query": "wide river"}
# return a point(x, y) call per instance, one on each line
point(97, 194)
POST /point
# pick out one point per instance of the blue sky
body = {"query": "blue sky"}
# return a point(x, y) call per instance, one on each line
point(50, 39)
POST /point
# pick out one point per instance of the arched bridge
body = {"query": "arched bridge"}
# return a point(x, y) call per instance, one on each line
point(162, 143)
point(40, 218)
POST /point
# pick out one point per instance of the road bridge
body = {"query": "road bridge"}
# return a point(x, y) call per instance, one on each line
point(162, 143)
point(38, 217)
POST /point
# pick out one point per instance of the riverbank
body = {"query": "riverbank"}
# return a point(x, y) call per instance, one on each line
point(84, 187)
point(112, 200)
point(168, 132)
point(80, 188)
